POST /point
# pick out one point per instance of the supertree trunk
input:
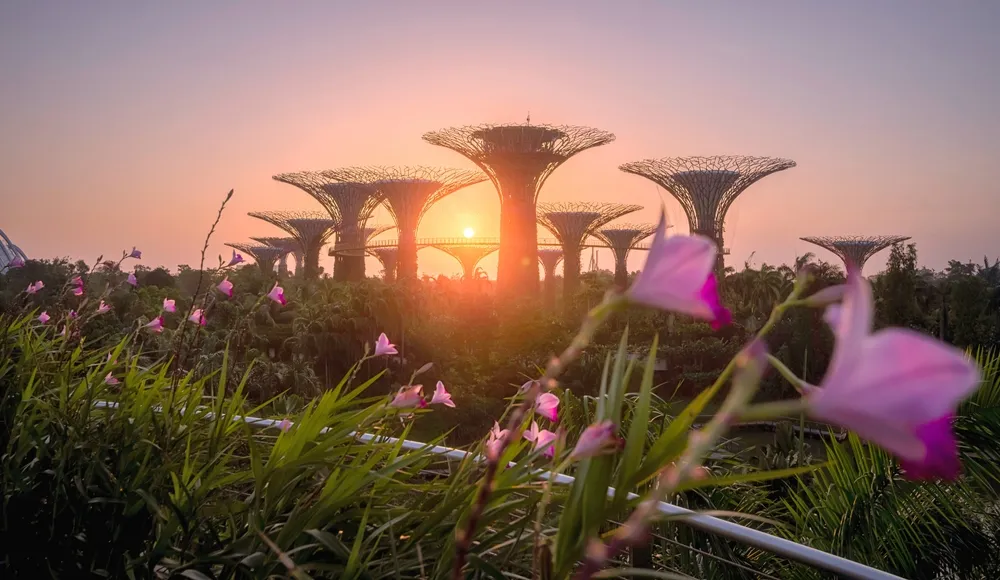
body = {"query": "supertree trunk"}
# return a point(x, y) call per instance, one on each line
point(517, 259)
point(406, 260)
point(571, 272)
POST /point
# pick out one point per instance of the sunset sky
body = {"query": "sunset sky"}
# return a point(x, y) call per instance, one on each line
point(125, 123)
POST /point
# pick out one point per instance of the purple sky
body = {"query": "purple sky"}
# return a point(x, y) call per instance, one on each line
point(125, 123)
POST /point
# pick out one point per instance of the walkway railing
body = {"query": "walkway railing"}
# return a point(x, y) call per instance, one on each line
point(471, 242)
point(751, 537)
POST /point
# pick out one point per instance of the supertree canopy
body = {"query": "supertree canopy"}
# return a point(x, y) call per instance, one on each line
point(310, 229)
point(856, 250)
point(265, 256)
point(549, 258)
point(349, 204)
point(518, 159)
point(707, 186)
point(468, 255)
point(621, 238)
point(289, 245)
point(387, 256)
point(571, 223)
point(408, 193)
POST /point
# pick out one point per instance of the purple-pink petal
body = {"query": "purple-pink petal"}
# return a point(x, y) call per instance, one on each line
point(940, 458)
point(710, 295)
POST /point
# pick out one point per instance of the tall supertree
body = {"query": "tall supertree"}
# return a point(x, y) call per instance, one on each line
point(289, 245)
point(408, 193)
point(387, 255)
point(707, 186)
point(518, 159)
point(855, 250)
point(468, 255)
point(549, 259)
point(621, 238)
point(571, 223)
point(310, 229)
point(349, 204)
point(266, 257)
point(355, 249)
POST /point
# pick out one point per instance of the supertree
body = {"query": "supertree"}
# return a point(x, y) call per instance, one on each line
point(265, 256)
point(349, 204)
point(408, 193)
point(387, 256)
point(310, 229)
point(571, 223)
point(289, 245)
point(468, 255)
point(707, 186)
point(621, 238)
point(855, 250)
point(518, 159)
point(549, 258)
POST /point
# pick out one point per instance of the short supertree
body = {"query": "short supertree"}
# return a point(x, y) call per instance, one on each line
point(621, 238)
point(468, 255)
point(266, 257)
point(707, 186)
point(571, 223)
point(549, 258)
point(349, 204)
point(855, 250)
point(310, 229)
point(518, 159)
point(387, 255)
point(408, 192)
point(289, 245)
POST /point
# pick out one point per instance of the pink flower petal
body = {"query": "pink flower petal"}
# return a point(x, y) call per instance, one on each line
point(940, 458)
point(277, 294)
point(597, 439)
point(135, 254)
point(409, 397)
point(198, 317)
point(285, 425)
point(236, 259)
point(132, 280)
point(441, 396)
point(384, 347)
point(226, 287)
point(547, 405)
point(169, 305)
point(44, 317)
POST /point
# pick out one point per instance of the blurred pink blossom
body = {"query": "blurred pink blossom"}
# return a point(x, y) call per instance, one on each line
point(110, 380)
point(383, 346)
point(236, 259)
point(542, 438)
point(135, 254)
point(198, 317)
point(156, 325)
point(102, 308)
point(494, 440)
point(169, 305)
point(277, 294)
point(597, 439)
point(547, 405)
point(132, 279)
point(44, 317)
point(441, 396)
point(226, 287)
point(35, 287)
point(409, 396)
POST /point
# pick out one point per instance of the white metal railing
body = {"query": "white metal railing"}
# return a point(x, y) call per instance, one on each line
point(431, 242)
point(749, 536)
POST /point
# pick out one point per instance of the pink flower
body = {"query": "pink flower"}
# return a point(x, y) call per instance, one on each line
point(156, 325)
point(76, 281)
point(78, 291)
point(547, 405)
point(135, 254)
point(597, 439)
point(236, 259)
point(895, 387)
point(198, 317)
point(169, 305)
point(409, 396)
point(110, 380)
point(542, 438)
point(35, 287)
point(226, 287)
point(678, 277)
point(44, 317)
point(383, 346)
point(73, 315)
point(441, 396)
point(17, 262)
point(132, 280)
point(285, 425)
point(494, 441)
point(277, 294)
point(102, 308)
point(526, 386)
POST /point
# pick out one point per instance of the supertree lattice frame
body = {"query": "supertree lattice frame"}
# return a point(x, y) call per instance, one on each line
point(707, 186)
point(518, 158)
point(855, 250)
point(408, 192)
point(266, 257)
point(310, 229)
point(549, 258)
point(468, 256)
point(349, 204)
point(571, 223)
point(354, 249)
point(620, 238)
point(291, 247)
point(388, 257)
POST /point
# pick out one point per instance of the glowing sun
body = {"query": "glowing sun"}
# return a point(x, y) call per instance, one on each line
point(468, 232)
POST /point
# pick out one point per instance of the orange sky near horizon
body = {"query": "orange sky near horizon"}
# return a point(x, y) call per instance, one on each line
point(126, 125)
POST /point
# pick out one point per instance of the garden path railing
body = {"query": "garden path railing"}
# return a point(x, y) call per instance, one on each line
point(706, 523)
